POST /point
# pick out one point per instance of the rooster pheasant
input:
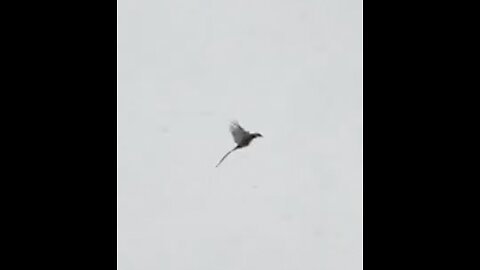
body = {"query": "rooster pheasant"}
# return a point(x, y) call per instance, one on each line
point(241, 137)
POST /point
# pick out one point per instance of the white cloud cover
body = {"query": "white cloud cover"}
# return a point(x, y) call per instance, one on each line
point(291, 70)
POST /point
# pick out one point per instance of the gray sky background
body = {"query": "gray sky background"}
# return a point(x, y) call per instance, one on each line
point(291, 70)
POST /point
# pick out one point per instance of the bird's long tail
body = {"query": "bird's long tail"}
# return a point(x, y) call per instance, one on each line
point(228, 153)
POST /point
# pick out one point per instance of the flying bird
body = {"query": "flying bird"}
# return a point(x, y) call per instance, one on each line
point(241, 137)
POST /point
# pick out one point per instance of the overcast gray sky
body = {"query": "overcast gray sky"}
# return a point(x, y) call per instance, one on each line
point(291, 70)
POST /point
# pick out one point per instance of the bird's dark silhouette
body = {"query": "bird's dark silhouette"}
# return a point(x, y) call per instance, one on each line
point(241, 137)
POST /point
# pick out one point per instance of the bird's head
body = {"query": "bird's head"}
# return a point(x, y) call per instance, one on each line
point(255, 135)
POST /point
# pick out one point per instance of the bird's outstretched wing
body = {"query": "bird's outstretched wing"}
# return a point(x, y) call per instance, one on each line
point(238, 132)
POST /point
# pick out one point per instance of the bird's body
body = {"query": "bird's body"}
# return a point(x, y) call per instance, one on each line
point(241, 137)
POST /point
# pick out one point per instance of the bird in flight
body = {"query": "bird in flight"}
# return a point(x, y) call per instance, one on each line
point(241, 137)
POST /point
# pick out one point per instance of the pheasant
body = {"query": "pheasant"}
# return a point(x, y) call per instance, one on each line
point(241, 137)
